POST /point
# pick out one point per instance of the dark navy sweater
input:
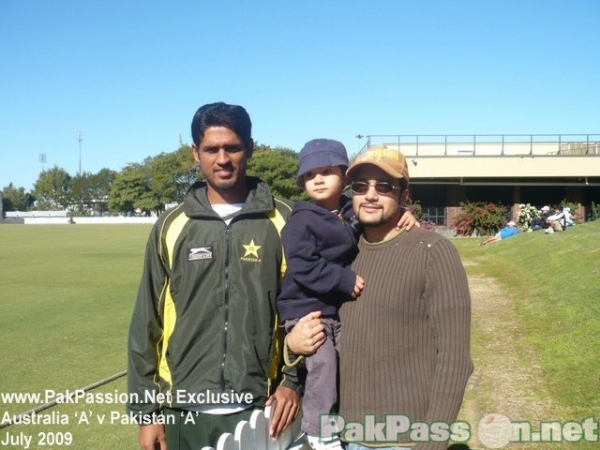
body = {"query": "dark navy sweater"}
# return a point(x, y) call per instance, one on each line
point(319, 247)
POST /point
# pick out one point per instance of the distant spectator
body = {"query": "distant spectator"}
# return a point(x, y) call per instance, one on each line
point(556, 221)
point(505, 232)
point(541, 223)
point(568, 217)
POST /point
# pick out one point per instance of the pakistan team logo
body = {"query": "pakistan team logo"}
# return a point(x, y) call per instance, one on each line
point(251, 252)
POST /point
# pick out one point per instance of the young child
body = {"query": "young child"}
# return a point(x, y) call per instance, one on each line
point(320, 243)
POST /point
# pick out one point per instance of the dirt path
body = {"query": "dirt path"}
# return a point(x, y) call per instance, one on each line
point(507, 379)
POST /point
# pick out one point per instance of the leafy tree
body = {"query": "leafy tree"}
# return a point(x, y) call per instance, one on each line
point(156, 182)
point(172, 174)
point(80, 194)
point(150, 194)
point(16, 199)
point(186, 173)
point(128, 190)
point(165, 178)
point(52, 189)
point(100, 185)
point(278, 167)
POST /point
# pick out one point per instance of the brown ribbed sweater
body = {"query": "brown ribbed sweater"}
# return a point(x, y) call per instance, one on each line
point(405, 340)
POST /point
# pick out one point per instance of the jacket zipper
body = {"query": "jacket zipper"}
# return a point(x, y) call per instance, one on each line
point(226, 305)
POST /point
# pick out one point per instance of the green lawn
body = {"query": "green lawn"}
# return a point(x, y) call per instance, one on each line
point(67, 293)
point(554, 282)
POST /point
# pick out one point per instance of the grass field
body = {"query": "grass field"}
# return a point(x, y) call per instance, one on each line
point(67, 293)
point(554, 282)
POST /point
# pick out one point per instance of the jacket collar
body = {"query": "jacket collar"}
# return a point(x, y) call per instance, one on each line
point(259, 199)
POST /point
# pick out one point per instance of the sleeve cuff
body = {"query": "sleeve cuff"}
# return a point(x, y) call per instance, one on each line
point(289, 358)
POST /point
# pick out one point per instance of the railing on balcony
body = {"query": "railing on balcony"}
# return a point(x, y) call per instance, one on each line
point(489, 144)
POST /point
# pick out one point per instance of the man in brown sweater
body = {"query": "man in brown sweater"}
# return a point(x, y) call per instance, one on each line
point(405, 357)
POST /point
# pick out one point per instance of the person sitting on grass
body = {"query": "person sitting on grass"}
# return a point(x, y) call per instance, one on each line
point(557, 221)
point(505, 232)
point(568, 217)
point(541, 223)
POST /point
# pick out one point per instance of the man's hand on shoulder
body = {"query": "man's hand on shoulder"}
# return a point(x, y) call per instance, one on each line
point(407, 220)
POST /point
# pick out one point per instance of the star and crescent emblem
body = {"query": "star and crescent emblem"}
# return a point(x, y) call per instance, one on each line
point(251, 249)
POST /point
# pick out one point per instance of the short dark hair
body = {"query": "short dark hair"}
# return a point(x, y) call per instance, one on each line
point(221, 114)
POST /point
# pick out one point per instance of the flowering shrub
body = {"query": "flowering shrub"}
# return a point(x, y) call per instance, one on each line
point(526, 214)
point(427, 224)
point(415, 208)
point(485, 219)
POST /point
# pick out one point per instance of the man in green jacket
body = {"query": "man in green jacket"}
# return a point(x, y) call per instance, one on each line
point(205, 343)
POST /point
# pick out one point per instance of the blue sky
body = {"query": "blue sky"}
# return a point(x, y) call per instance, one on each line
point(130, 74)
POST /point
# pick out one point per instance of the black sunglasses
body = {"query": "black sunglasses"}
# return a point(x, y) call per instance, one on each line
point(382, 187)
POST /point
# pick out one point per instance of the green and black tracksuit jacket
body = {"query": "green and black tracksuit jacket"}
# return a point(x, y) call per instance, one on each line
point(205, 319)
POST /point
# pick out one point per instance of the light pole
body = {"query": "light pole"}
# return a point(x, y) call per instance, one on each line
point(359, 137)
point(79, 138)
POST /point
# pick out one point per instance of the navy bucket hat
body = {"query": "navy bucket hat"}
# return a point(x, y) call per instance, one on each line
point(321, 153)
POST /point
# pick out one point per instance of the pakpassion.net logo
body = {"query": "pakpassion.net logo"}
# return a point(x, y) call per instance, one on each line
point(494, 431)
point(497, 431)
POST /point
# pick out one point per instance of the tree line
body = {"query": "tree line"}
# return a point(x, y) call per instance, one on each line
point(144, 188)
